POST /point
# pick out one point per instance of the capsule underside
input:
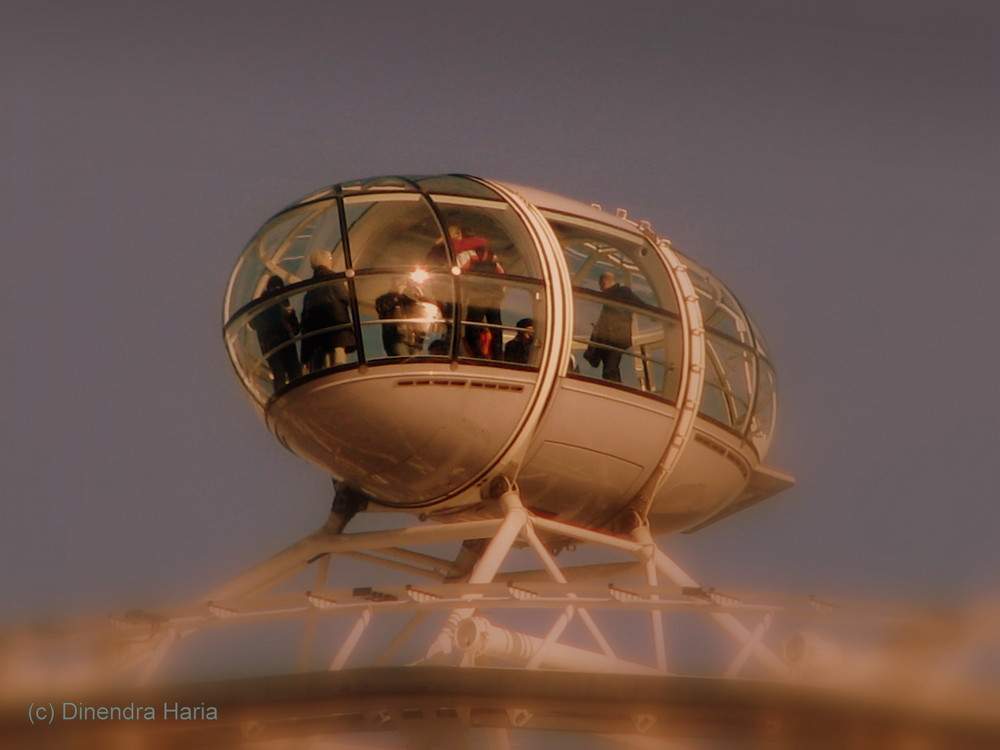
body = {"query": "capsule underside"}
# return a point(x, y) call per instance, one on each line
point(427, 333)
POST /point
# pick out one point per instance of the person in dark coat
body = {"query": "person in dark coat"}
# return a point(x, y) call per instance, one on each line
point(613, 330)
point(518, 349)
point(322, 310)
point(276, 326)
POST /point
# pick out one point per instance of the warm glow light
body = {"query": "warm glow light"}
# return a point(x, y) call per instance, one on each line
point(419, 276)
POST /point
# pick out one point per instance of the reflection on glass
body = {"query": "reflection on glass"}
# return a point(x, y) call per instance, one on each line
point(277, 325)
point(729, 383)
point(327, 334)
point(714, 404)
point(761, 426)
point(385, 182)
point(320, 231)
point(282, 248)
point(454, 185)
point(736, 369)
point(394, 231)
point(266, 339)
point(720, 310)
point(482, 293)
point(592, 250)
point(493, 315)
point(402, 314)
point(641, 352)
point(474, 223)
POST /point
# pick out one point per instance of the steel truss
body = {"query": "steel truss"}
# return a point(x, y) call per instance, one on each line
point(581, 670)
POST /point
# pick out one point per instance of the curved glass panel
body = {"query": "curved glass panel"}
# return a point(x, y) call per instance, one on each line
point(453, 184)
point(617, 277)
point(472, 224)
point(502, 319)
point(457, 279)
point(321, 231)
point(758, 339)
point(291, 333)
point(761, 426)
point(740, 386)
point(714, 403)
point(282, 248)
point(385, 182)
point(621, 342)
point(733, 375)
point(720, 310)
point(405, 315)
point(327, 192)
point(592, 250)
point(263, 343)
point(393, 231)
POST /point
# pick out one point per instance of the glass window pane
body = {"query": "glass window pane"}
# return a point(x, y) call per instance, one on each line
point(455, 185)
point(592, 250)
point(474, 223)
point(327, 334)
point(733, 373)
point(404, 315)
point(502, 319)
point(385, 182)
point(759, 339)
point(761, 427)
point(615, 341)
point(287, 334)
point(282, 248)
point(320, 231)
point(720, 310)
point(656, 354)
point(714, 402)
point(327, 192)
point(397, 231)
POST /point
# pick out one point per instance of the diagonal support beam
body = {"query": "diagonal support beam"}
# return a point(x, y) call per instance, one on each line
point(485, 568)
point(731, 626)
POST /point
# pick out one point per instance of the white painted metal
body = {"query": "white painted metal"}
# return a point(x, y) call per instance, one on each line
point(651, 587)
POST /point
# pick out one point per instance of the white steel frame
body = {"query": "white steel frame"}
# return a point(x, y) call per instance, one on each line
point(459, 593)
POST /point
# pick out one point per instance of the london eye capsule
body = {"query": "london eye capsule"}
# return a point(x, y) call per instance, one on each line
point(417, 337)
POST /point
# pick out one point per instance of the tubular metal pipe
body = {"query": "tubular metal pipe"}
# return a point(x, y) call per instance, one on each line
point(479, 636)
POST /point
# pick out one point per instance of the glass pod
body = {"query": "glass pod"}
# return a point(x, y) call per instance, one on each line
point(417, 336)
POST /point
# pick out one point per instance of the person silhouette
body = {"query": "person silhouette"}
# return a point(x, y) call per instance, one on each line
point(326, 335)
point(612, 333)
point(276, 326)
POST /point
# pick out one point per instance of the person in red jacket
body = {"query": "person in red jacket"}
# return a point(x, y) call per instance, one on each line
point(483, 298)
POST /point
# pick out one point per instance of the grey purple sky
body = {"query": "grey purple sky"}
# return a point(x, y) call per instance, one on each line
point(835, 163)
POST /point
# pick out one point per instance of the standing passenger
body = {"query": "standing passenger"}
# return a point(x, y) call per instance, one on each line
point(473, 254)
point(326, 335)
point(277, 326)
point(613, 331)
